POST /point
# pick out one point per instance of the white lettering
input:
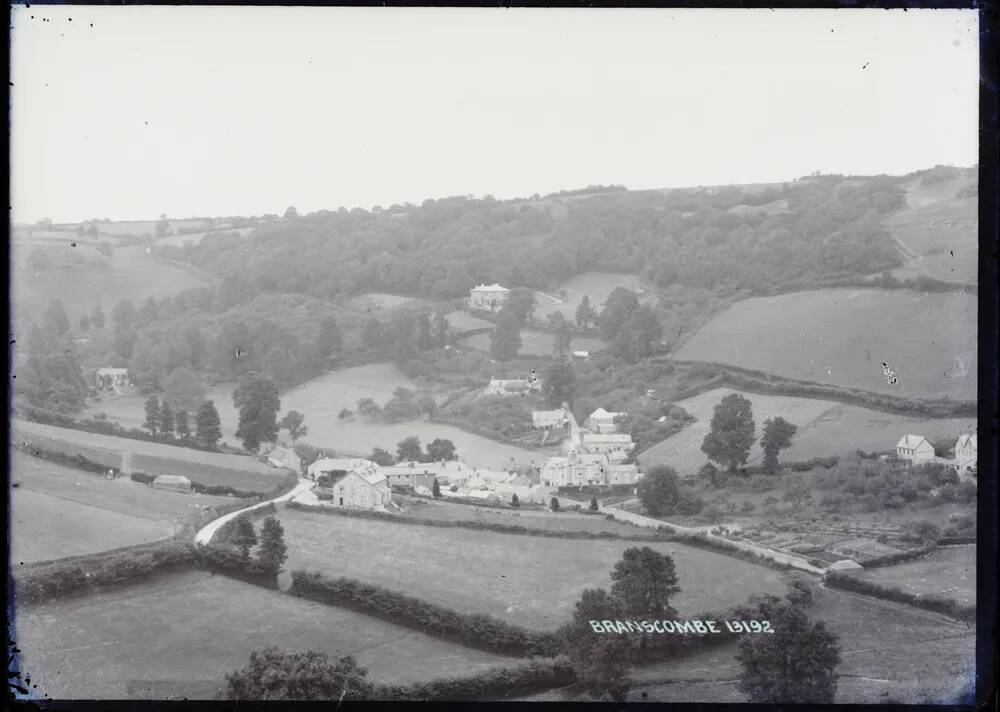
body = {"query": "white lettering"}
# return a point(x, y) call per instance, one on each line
point(596, 625)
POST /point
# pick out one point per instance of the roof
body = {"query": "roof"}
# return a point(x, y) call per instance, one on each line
point(490, 288)
point(171, 480)
point(347, 464)
point(111, 371)
point(607, 438)
point(966, 439)
point(912, 442)
point(537, 415)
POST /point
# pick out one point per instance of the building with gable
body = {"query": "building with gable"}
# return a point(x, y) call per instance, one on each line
point(915, 448)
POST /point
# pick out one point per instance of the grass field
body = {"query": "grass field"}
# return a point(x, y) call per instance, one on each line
point(949, 572)
point(177, 637)
point(380, 301)
point(59, 511)
point(537, 343)
point(842, 337)
point(141, 227)
point(460, 321)
point(825, 428)
point(596, 286)
point(195, 237)
point(531, 581)
point(209, 468)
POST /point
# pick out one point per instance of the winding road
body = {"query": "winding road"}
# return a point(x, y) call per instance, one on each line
point(205, 534)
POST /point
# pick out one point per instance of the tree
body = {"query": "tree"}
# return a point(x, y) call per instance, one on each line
point(440, 449)
point(514, 501)
point(166, 418)
point(124, 315)
point(425, 339)
point(618, 307)
point(644, 583)
point(798, 493)
point(152, 422)
point(208, 425)
point(732, 432)
point(369, 409)
point(163, 228)
point(600, 662)
point(440, 329)
point(373, 334)
point(55, 323)
point(585, 314)
point(777, 436)
point(244, 536)
point(505, 340)
point(795, 664)
point(659, 490)
point(272, 552)
point(295, 423)
point(275, 675)
point(97, 317)
point(329, 338)
point(436, 489)
point(639, 337)
point(344, 414)
point(181, 424)
point(291, 213)
point(710, 472)
point(554, 505)
point(84, 324)
point(381, 457)
point(559, 385)
point(563, 335)
point(409, 449)
point(183, 389)
point(593, 504)
point(256, 397)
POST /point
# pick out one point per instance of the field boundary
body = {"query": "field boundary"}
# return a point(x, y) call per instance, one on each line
point(935, 603)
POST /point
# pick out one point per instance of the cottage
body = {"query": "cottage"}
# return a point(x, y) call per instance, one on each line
point(411, 474)
point(602, 421)
point(966, 452)
point(621, 474)
point(283, 457)
point(361, 490)
point(915, 448)
point(506, 387)
point(175, 483)
point(112, 378)
point(581, 355)
point(488, 296)
point(339, 466)
point(549, 419)
point(615, 445)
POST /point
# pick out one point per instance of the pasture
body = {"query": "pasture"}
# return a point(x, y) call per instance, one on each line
point(380, 301)
point(59, 511)
point(461, 321)
point(196, 237)
point(825, 428)
point(177, 637)
point(596, 286)
point(529, 581)
point(536, 343)
point(949, 571)
point(123, 228)
point(941, 238)
point(209, 468)
point(842, 337)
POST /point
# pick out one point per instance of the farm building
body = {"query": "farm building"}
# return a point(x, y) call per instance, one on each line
point(915, 448)
point(340, 465)
point(176, 483)
point(112, 378)
point(601, 421)
point(615, 445)
point(581, 355)
point(361, 490)
point(284, 457)
point(549, 419)
point(966, 451)
point(488, 296)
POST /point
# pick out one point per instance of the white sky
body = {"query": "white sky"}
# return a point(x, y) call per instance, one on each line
point(129, 112)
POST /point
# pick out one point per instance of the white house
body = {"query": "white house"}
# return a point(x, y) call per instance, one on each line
point(112, 378)
point(915, 448)
point(621, 474)
point(549, 419)
point(488, 296)
point(506, 387)
point(361, 490)
point(602, 421)
point(966, 450)
point(581, 355)
point(615, 445)
point(340, 465)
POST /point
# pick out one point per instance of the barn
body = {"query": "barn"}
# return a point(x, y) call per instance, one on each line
point(176, 483)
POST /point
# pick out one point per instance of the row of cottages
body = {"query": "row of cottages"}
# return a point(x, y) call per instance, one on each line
point(918, 450)
point(616, 446)
point(489, 297)
point(583, 468)
point(506, 387)
point(419, 476)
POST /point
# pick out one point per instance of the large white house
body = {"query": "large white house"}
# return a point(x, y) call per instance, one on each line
point(602, 421)
point(488, 296)
point(361, 490)
point(915, 448)
point(112, 378)
point(506, 387)
point(583, 468)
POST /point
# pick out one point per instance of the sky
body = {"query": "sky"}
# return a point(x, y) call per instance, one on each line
point(132, 112)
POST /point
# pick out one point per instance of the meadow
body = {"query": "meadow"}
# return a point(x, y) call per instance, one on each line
point(825, 428)
point(380, 301)
point(177, 637)
point(533, 582)
point(195, 237)
point(843, 336)
point(948, 571)
point(460, 321)
point(59, 511)
point(536, 343)
point(596, 286)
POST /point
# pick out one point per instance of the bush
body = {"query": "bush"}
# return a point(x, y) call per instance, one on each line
point(535, 674)
point(477, 631)
point(142, 477)
point(232, 563)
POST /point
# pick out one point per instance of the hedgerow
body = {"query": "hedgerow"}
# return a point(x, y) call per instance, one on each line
point(939, 604)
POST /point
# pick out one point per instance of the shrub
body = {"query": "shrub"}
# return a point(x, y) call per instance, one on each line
point(142, 477)
point(531, 675)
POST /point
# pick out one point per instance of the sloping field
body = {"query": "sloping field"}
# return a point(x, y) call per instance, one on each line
point(380, 301)
point(530, 581)
point(776, 207)
point(842, 337)
point(596, 286)
point(209, 468)
point(825, 428)
point(460, 321)
point(177, 637)
point(941, 239)
point(141, 227)
point(949, 571)
point(195, 237)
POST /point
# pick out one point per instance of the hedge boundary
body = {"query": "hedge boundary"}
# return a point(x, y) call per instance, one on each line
point(481, 526)
point(471, 630)
point(531, 675)
point(938, 604)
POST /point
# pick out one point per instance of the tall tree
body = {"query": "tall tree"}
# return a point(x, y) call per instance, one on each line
point(585, 313)
point(600, 663)
point(409, 449)
point(777, 436)
point(256, 398)
point(272, 552)
point(84, 324)
point(425, 337)
point(275, 675)
point(505, 341)
point(559, 385)
point(124, 315)
point(618, 307)
point(97, 317)
point(208, 425)
point(563, 341)
point(182, 425)
point(794, 665)
point(381, 457)
point(436, 489)
point(55, 322)
point(295, 423)
point(166, 421)
point(440, 329)
point(152, 423)
point(329, 338)
point(244, 536)
point(732, 432)
point(644, 583)
point(639, 336)
point(440, 449)
point(659, 490)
